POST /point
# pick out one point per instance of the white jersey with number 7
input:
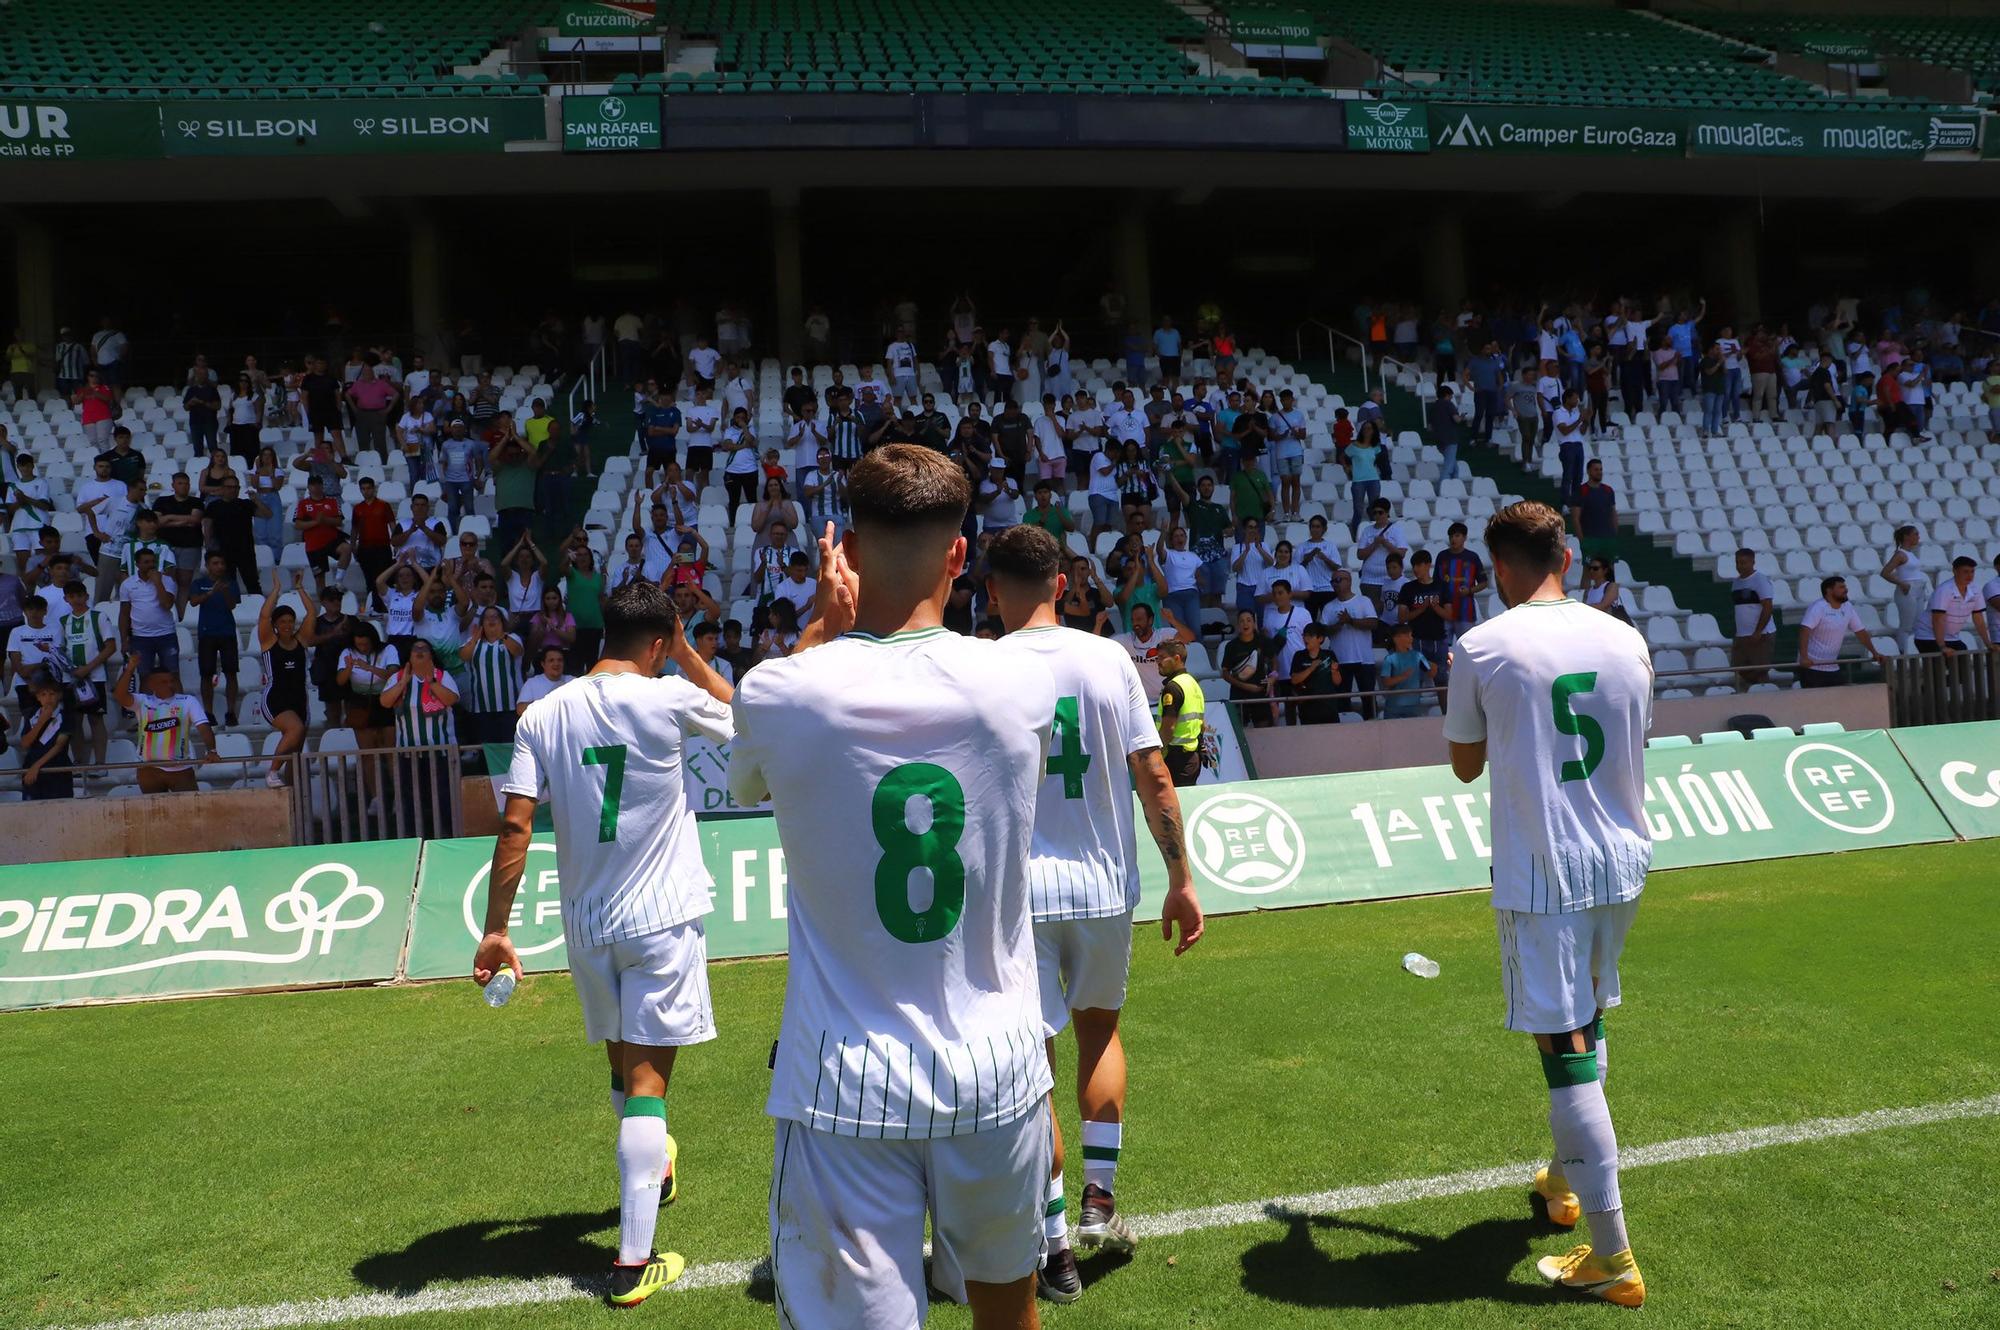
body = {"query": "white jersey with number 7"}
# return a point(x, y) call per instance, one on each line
point(903, 771)
point(1563, 696)
point(605, 750)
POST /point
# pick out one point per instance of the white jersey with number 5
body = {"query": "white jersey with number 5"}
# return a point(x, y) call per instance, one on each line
point(903, 772)
point(1085, 861)
point(1563, 696)
point(605, 750)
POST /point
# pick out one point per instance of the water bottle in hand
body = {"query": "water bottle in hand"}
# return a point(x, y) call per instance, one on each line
point(1420, 965)
point(501, 987)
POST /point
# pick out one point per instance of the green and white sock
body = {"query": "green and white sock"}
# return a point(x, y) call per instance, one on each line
point(642, 1158)
point(1101, 1142)
point(1055, 1219)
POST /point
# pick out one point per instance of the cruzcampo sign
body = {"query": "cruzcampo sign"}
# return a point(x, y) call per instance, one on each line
point(589, 18)
point(615, 122)
point(1387, 126)
point(1868, 134)
point(742, 855)
point(1558, 129)
point(343, 126)
point(199, 923)
point(78, 131)
point(1960, 766)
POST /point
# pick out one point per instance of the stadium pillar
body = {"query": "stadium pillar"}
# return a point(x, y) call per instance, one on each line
point(35, 287)
point(788, 275)
point(427, 285)
point(1733, 268)
point(1445, 280)
point(1132, 265)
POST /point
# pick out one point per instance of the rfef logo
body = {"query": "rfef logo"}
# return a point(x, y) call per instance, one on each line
point(1840, 789)
point(536, 923)
point(1246, 844)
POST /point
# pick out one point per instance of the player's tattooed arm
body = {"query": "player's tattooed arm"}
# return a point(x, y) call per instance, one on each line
point(1179, 908)
point(1169, 835)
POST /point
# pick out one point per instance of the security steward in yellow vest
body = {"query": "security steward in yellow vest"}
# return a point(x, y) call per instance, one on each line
point(1181, 711)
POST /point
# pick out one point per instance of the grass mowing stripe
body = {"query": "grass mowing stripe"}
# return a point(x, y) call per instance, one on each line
point(724, 1274)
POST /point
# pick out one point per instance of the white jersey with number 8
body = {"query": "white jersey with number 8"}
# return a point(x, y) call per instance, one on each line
point(1085, 861)
point(1563, 696)
point(605, 750)
point(903, 771)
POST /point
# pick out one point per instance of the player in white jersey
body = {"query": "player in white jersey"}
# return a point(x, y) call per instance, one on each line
point(1562, 696)
point(1083, 872)
point(902, 761)
point(605, 750)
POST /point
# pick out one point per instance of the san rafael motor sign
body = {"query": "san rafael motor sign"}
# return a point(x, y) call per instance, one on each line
point(1388, 126)
point(193, 923)
point(615, 122)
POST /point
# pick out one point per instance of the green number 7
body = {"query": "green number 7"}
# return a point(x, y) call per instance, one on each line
point(612, 757)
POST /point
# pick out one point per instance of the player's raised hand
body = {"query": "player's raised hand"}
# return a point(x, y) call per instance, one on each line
point(843, 582)
point(1180, 907)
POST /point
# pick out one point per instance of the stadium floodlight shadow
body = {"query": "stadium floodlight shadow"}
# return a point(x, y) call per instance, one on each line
point(527, 1248)
point(1478, 1263)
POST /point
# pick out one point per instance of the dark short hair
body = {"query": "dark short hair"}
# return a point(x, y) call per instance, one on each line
point(283, 612)
point(1827, 584)
point(1457, 529)
point(638, 613)
point(1419, 556)
point(1527, 535)
point(1026, 555)
point(706, 628)
point(550, 647)
point(902, 485)
point(1964, 561)
point(1746, 550)
point(1277, 582)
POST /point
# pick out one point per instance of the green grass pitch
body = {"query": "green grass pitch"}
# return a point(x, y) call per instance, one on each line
point(243, 1152)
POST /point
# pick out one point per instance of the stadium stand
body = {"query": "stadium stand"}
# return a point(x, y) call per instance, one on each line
point(1564, 55)
point(370, 48)
point(1970, 44)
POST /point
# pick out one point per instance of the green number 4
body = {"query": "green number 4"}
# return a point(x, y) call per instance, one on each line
point(611, 757)
point(1067, 756)
point(904, 851)
point(1584, 727)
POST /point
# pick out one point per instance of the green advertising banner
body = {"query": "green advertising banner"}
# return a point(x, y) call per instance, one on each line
point(78, 131)
point(1960, 766)
point(359, 126)
point(1877, 134)
point(586, 18)
point(1278, 27)
point(621, 122)
point(195, 923)
point(450, 913)
point(1558, 129)
point(1386, 126)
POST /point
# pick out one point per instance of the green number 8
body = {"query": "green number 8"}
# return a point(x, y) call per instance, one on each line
point(904, 851)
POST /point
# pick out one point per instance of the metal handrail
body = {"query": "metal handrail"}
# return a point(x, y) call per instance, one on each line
point(590, 381)
point(1299, 346)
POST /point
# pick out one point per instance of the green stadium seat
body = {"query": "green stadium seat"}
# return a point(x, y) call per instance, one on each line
point(1670, 741)
point(1723, 737)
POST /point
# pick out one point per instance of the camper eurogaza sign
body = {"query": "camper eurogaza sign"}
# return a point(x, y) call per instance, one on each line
point(1548, 129)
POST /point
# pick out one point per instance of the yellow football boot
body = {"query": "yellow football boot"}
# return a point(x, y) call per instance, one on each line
point(1613, 1278)
point(1561, 1203)
point(633, 1284)
point(672, 1190)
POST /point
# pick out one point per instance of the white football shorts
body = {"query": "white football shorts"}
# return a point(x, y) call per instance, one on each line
point(1559, 970)
point(650, 990)
point(1084, 965)
point(847, 1220)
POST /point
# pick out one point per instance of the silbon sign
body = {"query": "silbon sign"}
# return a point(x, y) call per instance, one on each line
point(433, 125)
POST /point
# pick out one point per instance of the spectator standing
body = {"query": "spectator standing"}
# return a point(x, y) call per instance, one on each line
point(1567, 422)
point(1424, 605)
point(1525, 400)
point(514, 469)
point(269, 512)
point(1353, 619)
point(86, 651)
point(1823, 630)
point(108, 348)
point(1246, 668)
point(1364, 473)
point(215, 595)
point(1760, 356)
point(317, 520)
point(203, 402)
point(1445, 423)
point(1316, 680)
point(1594, 513)
point(231, 522)
point(1823, 392)
point(1907, 571)
point(29, 507)
point(96, 402)
point(146, 620)
point(1405, 673)
point(167, 721)
point(1319, 560)
point(1374, 545)
point(246, 420)
point(421, 698)
point(45, 744)
point(491, 661)
point(71, 364)
point(319, 394)
point(179, 515)
point(1486, 374)
point(1954, 606)
point(1463, 576)
point(29, 646)
point(284, 638)
point(1756, 622)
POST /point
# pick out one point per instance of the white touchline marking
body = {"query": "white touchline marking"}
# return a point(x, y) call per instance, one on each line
point(728, 1274)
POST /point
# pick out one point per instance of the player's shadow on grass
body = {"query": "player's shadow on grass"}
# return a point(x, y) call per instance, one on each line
point(550, 1245)
point(1475, 1264)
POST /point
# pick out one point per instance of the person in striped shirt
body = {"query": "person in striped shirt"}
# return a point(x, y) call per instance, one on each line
point(421, 698)
point(606, 750)
point(492, 664)
point(1083, 871)
point(166, 720)
point(1563, 696)
point(910, 1074)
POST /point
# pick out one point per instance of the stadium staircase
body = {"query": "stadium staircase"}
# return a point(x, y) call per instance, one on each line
point(1694, 587)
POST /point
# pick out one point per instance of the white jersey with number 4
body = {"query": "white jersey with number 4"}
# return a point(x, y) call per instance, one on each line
point(1085, 860)
point(605, 750)
point(1562, 694)
point(903, 771)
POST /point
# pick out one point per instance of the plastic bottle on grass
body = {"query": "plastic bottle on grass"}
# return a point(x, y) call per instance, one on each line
point(500, 987)
point(1420, 965)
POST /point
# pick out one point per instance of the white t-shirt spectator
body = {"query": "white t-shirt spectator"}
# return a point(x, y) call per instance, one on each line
point(1351, 646)
point(1144, 653)
point(805, 438)
point(700, 425)
point(901, 358)
point(149, 617)
point(524, 597)
point(736, 393)
point(1251, 574)
point(1545, 344)
point(1290, 574)
point(399, 613)
point(799, 594)
point(539, 687)
point(1826, 627)
point(422, 549)
point(1732, 352)
point(742, 461)
point(705, 359)
point(1957, 606)
point(1287, 629)
point(1085, 420)
point(1318, 576)
point(1048, 439)
point(1916, 385)
point(1104, 477)
point(1375, 564)
point(1991, 594)
point(36, 645)
point(1748, 593)
point(999, 359)
point(362, 679)
point(1569, 424)
point(1127, 426)
point(1179, 567)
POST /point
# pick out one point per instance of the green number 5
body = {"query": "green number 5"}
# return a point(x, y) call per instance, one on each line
point(611, 757)
point(1585, 727)
point(904, 851)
